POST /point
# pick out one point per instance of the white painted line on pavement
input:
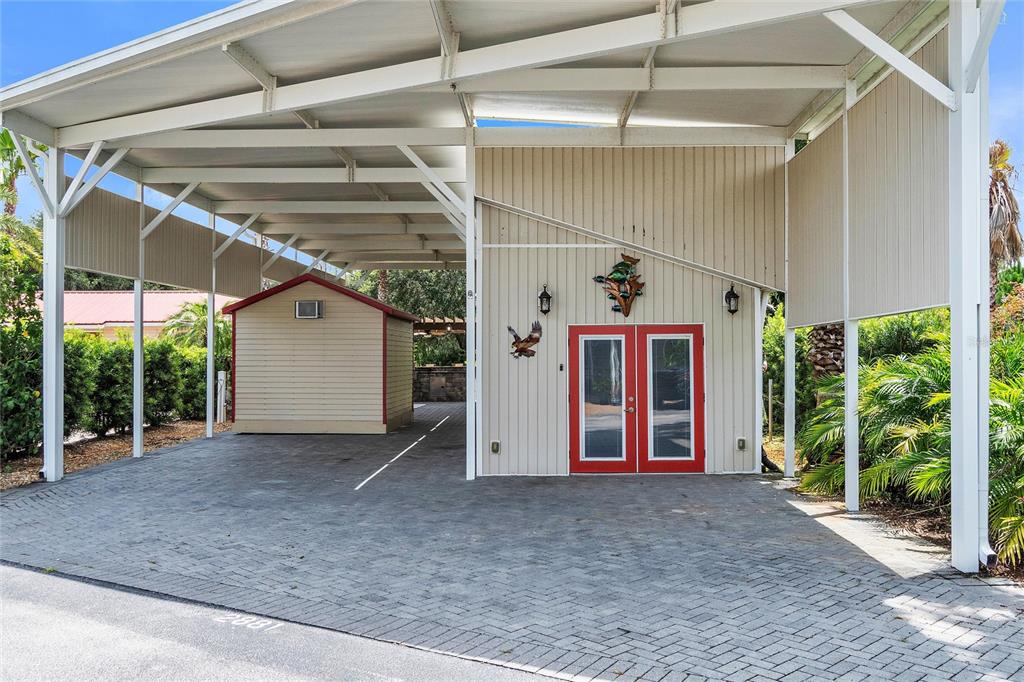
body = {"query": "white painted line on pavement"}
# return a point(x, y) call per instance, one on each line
point(393, 459)
point(439, 423)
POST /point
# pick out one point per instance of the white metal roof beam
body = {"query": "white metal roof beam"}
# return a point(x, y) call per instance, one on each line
point(449, 52)
point(329, 175)
point(76, 182)
point(367, 229)
point(660, 78)
point(695, 21)
point(341, 207)
point(235, 235)
point(280, 252)
point(893, 57)
point(635, 136)
point(354, 245)
point(423, 256)
point(436, 265)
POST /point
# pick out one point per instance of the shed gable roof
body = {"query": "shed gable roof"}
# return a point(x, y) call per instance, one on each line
point(284, 286)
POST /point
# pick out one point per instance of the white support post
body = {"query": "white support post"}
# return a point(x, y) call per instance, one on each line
point(789, 403)
point(471, 307)
point(852, 418)
point(478, 336)
point(968, 296)
point(53, 314)
point(760, 307)
point(850, 330)
point(138, 337)
point(211, 331)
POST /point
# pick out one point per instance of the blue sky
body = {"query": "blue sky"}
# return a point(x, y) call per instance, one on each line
point(80, 28)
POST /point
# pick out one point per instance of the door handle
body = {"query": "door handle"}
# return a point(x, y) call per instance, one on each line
point(630, 409)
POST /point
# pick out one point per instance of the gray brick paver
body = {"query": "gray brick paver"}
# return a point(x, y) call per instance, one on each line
point(581, 577)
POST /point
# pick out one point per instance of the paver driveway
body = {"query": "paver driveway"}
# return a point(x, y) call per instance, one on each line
point(614, 577)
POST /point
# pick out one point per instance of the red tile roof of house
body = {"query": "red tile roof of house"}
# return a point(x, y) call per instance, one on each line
point(98, 308)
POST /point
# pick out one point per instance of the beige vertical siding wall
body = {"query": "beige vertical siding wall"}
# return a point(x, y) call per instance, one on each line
point(103, 236)
point(899, 241)
point(719, 206)
point(319, 375)
point(899, 184)
point(399, 387)
point(815, 293)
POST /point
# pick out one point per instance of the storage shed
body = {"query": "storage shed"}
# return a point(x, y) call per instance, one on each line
point(311, 356)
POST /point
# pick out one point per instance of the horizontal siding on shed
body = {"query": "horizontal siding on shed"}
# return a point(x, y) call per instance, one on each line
point(400, 368)
point(328, 369)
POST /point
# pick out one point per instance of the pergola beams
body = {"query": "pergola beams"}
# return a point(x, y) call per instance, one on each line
point(339, 207)
point(350, 229)
point(648, 30)
point(328, 175)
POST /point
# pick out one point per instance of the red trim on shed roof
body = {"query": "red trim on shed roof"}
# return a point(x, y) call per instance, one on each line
point(284, 286)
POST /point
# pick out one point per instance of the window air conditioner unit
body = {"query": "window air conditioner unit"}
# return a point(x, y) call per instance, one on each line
point(309, 310)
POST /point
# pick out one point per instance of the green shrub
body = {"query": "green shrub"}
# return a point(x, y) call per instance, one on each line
point(80, 368)
point(1007, 280)
point(438, 350)
point(906, 334)
point(774, 347)
point(192, 364)
point(904, 408)
point(162, 385)
point(21, 339)
point(112, 398)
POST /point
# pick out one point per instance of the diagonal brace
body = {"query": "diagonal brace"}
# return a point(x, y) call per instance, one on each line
point(893, 57)
point(33, 173)
point(155, 222)
point(279, 252)
point(235, 235)
point(82, 192)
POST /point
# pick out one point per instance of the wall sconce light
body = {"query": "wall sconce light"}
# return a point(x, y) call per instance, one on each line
point(544, 301)
point(732, 300)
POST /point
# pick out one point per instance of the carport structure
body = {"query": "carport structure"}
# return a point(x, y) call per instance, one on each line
point(352, 132)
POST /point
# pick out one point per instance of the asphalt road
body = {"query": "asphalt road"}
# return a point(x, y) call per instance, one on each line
point(54, 628)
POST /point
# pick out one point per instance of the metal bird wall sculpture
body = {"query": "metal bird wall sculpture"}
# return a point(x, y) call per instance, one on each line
point(523, 348)
point(622, 284)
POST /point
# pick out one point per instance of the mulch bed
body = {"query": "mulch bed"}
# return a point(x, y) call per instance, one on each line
point(88, 453)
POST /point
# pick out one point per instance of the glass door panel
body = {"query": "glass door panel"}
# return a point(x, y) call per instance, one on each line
point(670, 399)
point(602, 399)
point(604, 419)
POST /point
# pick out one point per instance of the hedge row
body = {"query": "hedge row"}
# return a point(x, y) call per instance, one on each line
point(98, 388)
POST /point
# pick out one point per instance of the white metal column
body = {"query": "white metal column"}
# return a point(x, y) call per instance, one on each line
point(138, 337)
point(478, 336)
point(789, 407)
point(211, 340)
point(760, 305)
point(53, 318)
point(968, 251)
point(850, 330)
point(471, 297)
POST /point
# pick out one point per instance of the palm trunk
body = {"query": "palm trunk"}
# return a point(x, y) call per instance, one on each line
point(11, 205)
point(382, 287)
point(826, 350)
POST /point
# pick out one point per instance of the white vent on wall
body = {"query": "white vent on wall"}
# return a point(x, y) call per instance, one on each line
point(309, 310)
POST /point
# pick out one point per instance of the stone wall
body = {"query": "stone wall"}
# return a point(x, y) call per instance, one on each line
point(439, 384)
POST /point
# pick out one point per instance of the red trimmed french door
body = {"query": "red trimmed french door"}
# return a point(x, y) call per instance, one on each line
point(636, 398)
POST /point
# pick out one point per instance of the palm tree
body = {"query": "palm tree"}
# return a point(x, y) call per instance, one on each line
point(188, 328)
point(1004, 243)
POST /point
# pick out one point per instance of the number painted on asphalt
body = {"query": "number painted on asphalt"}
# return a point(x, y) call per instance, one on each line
point(250, 622)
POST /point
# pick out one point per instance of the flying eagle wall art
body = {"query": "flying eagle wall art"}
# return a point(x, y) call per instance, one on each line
point(523, 348)
point(622, 284)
